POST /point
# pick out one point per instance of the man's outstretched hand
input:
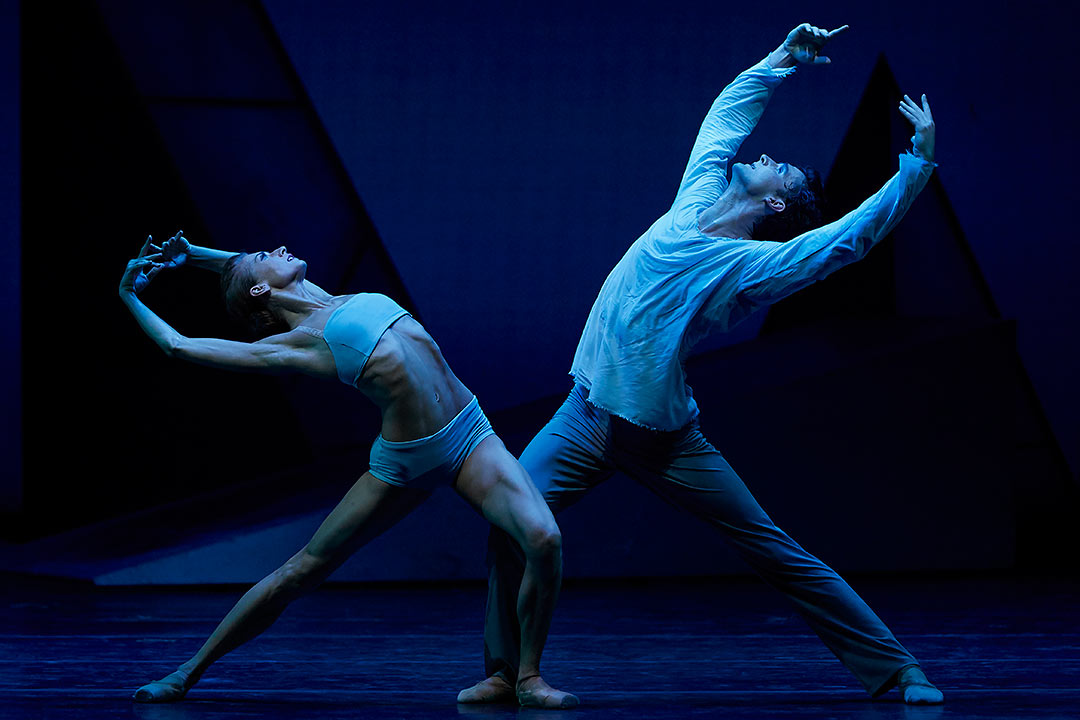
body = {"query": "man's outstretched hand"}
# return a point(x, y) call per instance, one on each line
point(803, 45)
point(920, 117)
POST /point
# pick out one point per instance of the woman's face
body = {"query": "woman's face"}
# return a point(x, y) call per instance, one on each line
point(277, 268)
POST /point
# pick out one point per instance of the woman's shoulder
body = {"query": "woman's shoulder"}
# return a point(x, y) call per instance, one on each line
point(301, 336)
point(315, 323)
point(301, 349)
point(310, 330)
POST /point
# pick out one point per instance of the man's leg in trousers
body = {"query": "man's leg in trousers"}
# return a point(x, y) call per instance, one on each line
point(690, 473)
point(564, 460)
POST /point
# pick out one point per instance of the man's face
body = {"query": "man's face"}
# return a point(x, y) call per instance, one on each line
point(767, 178)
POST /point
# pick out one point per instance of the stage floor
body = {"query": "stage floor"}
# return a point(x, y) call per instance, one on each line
point(997, 647)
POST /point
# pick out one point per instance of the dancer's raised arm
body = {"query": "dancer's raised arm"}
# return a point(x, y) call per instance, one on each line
point(736, 112)
point(273, 354)
point(781, 269)
point(177, 251)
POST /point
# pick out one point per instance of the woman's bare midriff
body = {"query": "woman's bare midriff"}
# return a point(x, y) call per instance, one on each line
point(408, 378)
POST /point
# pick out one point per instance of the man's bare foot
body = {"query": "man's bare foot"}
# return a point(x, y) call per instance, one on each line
point(533, 692)
point(170, 688)
point(494, 689)
point(916, 689)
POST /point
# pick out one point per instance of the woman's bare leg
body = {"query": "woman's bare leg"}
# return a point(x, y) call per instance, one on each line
point(367, 510)
point(495, 483)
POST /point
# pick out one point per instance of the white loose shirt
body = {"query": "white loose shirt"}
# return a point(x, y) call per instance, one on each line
point(675, 285)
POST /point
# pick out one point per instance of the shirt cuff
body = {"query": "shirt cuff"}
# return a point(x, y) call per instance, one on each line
point(769, 72)
point(917, 157)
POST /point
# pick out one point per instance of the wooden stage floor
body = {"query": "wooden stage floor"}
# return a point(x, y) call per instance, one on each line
point(1006, 647)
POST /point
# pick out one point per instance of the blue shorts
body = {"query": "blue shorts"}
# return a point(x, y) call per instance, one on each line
point(434, 460)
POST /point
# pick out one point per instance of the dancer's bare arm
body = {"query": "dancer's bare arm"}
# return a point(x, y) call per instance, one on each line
point(277, 353)
point(178, 250)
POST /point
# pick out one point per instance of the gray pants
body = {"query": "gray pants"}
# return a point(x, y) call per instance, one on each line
point(582, 446)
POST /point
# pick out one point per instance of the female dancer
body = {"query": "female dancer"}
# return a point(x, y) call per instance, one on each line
point(433, 432)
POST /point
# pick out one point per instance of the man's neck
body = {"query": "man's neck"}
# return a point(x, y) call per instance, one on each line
point(732, 216)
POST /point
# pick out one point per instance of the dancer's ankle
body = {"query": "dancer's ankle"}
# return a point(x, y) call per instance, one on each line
point(189, 674)
point(526, 674)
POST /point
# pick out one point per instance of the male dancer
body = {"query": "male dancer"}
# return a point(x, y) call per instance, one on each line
point(695, 270)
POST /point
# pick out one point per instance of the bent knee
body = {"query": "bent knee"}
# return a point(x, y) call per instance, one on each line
point(543, 541)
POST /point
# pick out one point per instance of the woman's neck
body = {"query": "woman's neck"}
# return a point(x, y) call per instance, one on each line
point(296, 303)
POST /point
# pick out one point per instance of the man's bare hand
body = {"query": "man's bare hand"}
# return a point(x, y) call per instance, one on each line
point(805, 43)
point(923, 121)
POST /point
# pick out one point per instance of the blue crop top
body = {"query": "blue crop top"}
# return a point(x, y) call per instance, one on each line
point(354, 329)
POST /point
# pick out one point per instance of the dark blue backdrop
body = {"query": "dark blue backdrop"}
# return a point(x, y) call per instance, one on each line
point(506, 154)
point(510, 152)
